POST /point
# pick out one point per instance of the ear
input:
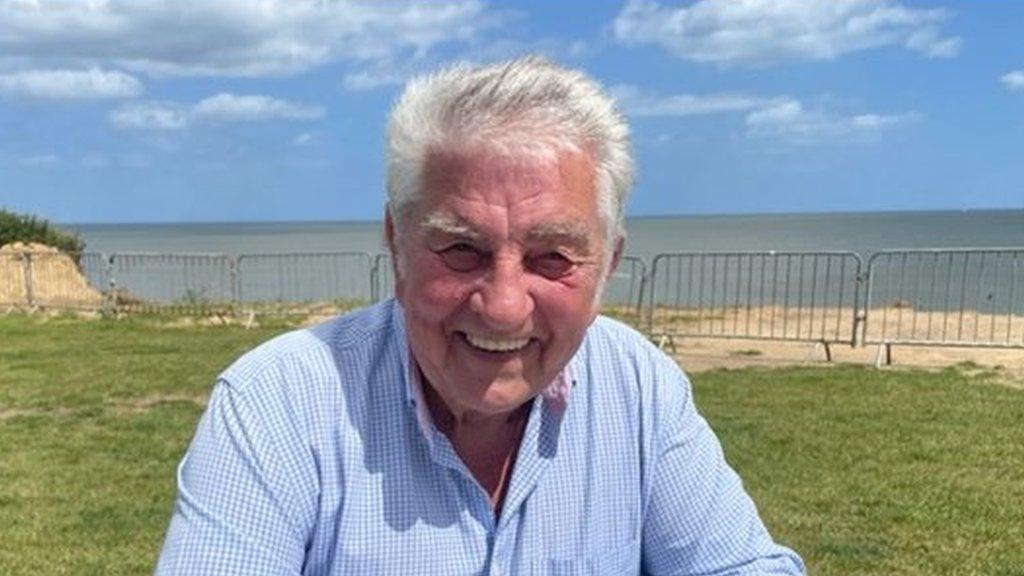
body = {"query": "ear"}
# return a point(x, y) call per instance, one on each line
point(620, 245)
point(389, 230)
point(392, 244)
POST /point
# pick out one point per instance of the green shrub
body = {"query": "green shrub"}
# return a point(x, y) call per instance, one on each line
point(26, 228)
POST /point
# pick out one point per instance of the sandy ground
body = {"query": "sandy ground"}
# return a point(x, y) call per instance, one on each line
point(884, 324)
point(700, 354)
point(702, 340)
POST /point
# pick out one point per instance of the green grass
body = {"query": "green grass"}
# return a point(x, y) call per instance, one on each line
point(93, 419)
point(878, 472)
point(861, 471)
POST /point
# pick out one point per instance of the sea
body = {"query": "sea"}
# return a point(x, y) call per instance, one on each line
point(859, 232)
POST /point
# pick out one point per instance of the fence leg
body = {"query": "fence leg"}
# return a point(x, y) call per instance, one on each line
point(884, 352)
point(822, 345)
point(108, 277)
point(859, 328)
point(26, 266)
point(115, 300)
point(235, 280)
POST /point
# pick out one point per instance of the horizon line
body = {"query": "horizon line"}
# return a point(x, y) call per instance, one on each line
point(628, 217)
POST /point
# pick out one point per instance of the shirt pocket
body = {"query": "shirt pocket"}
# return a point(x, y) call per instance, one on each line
point(620, 561)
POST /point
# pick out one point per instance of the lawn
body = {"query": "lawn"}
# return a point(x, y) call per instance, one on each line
point(862, 471)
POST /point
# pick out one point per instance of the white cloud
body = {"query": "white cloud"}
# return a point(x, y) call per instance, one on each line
point(223, 107)
point(393, 72)
point(232, 37)
point(1013, 80)
point(928, 42)
point(757, 32)
point(226, 107)
point(302, 139)
point(376, 77)
point(150, 116)
point(91, 84)
point(790, 121)
point(638, 103)
point(779, 117)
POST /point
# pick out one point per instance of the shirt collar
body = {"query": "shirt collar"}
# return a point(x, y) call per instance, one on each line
point(555, 396)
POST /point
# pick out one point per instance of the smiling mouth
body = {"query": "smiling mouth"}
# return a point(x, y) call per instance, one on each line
point(496, 344)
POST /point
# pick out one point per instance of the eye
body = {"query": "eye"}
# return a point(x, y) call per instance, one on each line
point(551, 265)
point(462, 257)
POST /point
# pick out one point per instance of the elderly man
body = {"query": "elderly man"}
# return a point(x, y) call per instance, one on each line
point(486, 421)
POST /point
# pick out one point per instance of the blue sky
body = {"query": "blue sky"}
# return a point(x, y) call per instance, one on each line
point(240, 110)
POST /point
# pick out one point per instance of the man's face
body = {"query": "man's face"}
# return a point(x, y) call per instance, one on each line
point(500, 265)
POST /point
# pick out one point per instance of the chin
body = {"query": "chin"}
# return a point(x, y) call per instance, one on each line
point(505, 397)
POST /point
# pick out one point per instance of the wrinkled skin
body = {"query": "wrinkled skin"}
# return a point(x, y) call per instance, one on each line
point(500, 265)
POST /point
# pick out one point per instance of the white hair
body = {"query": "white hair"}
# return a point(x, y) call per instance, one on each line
point(522, 107)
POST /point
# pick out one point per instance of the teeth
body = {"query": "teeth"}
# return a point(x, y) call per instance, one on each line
point(497, 344)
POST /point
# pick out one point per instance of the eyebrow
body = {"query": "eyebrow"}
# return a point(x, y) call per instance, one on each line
point(442, 222)
point(446, 223)
point(571, 232)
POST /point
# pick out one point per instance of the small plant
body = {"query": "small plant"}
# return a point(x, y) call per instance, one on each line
point(16, 227)
point(195, 297)
point(746, 352)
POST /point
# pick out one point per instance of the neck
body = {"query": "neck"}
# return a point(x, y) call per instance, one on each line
point(471, 424)
point(487, 445)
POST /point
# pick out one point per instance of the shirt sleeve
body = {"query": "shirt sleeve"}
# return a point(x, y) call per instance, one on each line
point(698, 518)
point(241, 508)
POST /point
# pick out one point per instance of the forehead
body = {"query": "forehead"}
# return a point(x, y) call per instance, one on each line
point(555, 191)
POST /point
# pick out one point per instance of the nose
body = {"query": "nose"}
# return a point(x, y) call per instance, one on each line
point(503, 300)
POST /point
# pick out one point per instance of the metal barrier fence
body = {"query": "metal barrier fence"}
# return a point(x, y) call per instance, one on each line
point(340, 278)
point(967, 297)
point(959, 297)
point(802, 296)
point(186, 282)
point(626, 286)
point(624, 292)
point(95, 268)
point(191, 283)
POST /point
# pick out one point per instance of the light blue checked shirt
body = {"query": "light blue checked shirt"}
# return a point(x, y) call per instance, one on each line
point(315, 457)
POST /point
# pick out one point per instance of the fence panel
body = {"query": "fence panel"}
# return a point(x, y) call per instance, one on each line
point(96, 269)
point(625, 288)
point(802, 296)
point(624, 293)
point(954, 297)
point(14, 279)
point(188, 282)
point(58, 281)
point(52, 279)
point(341, 280)
point(13, 268)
